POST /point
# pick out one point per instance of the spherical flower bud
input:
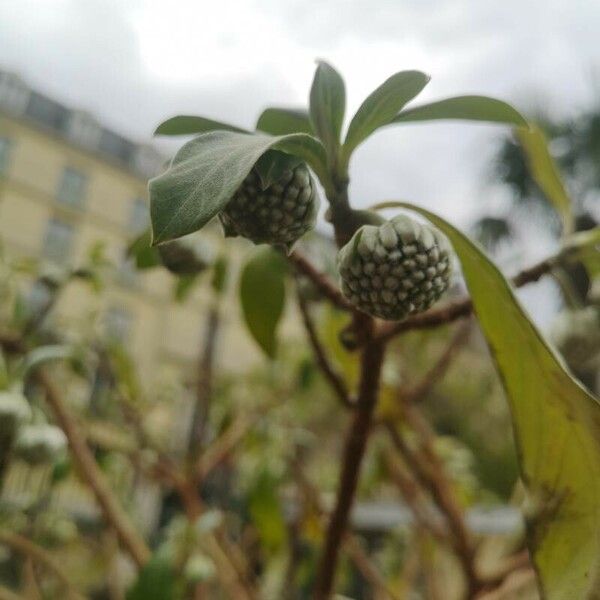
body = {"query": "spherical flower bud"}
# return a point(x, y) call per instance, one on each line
point(278, 215)
point(39, 443)
point(396, 269)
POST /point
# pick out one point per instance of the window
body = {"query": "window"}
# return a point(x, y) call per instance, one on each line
point(116, 146)
point(118, 323)
point(71, 190)
point(5, 149)
point(138, 217)
point(47, 111)
point(58, 241)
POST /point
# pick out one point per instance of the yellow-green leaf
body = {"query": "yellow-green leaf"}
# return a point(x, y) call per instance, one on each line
point(546, 174)
point(556, 426)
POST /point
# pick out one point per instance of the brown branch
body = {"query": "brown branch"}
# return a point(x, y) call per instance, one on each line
point(429, 472)
point(31, 550)
point(204, 383)
point(335, 380)
point(413, 497)
point(222, 447)
point(354, 450)
point(324, 284)
point(420, 390)
point(458, 308)
point(351, 542)
point(91, 474)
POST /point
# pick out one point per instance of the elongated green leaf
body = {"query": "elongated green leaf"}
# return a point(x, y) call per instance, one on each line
point(189, 125)
point(206, 172)
point(262, 295)
point(466, 108)
point(557, 431)
point(281, 121)
point(327, 106)
point(546, 174)
point(383, 105)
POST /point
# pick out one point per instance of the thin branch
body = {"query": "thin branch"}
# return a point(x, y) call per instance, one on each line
point(38, 554)
point(335, 380)
point(351, 542)
point(513, 584)
point(413, 496)
point(458, 308)
point(91, 474)
point(429, 472)
point(204, 383)
point(222, 447)
point(354, 450)
point(420, 390)
point(324, 284)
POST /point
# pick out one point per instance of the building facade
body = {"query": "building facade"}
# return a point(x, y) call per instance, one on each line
point(67, 184)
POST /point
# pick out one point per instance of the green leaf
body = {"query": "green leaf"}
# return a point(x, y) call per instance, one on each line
point(141, 250)
point(189, 125)
point(546, 174)
point(206, 172)
point(262, 294)
point(265, 509)
point(382, 106)
point(156, 581)
point(272, 164)
point(466, 108)
point(281, 121)
point(557, 430)
point(183, 287)
point(327, 106)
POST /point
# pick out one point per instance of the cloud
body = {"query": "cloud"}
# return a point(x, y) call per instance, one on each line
point(134, 63)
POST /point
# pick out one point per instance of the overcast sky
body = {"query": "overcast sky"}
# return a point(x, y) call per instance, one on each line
point(136, 62)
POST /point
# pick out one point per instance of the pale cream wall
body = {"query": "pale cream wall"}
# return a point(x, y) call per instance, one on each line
point(163, 332)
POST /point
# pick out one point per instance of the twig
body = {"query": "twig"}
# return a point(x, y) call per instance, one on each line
point(335, 380)
point(222, 447)
point(351, 543)
point(38, 554)
point(512, 584)
point(422, 389)
point(431, 476)
point(323, 283)
point(355, 445)
point(413, 497)
point(456, 309)
point(204, 384)
point(91, 474)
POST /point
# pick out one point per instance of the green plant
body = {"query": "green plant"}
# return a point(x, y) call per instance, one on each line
point(257, 493)
point(201, 184)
